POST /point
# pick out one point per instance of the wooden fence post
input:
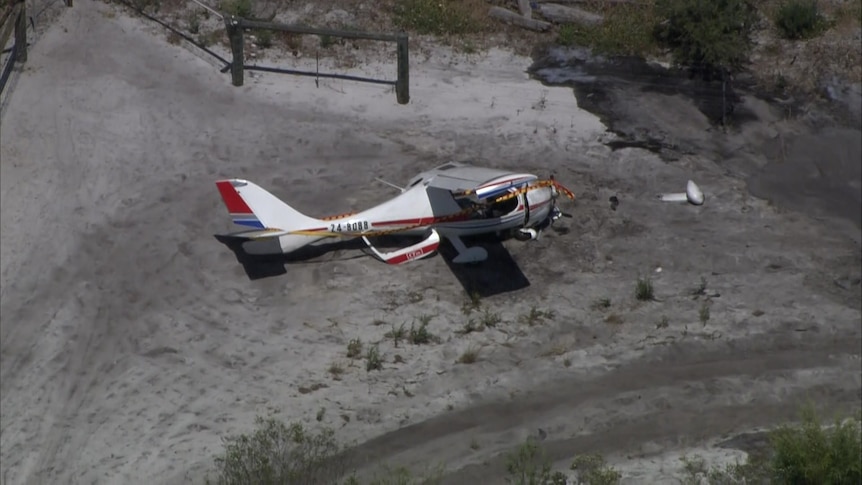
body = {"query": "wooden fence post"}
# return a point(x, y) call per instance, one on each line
point(234, 33)
point(21, 32)
point(402, 85)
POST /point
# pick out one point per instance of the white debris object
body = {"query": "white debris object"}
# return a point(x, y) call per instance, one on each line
point(692, 195)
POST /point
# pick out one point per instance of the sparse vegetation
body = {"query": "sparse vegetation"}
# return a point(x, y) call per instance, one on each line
point(536, 316)
point(397, 334)
point(441, 17)
point(354, 348)
point(490, 319)
point(473, 303)
point(626, 30)
point(194, 23)
point(700, 290)
point(420, 335)
point(567, 35)
point(601, 304)
point(240, 8)
point(470, 356)
point(403, 476)
point(614, 319)
point(336, 370)
point(326, 41)
point(373, 360)
point(644, 289)
point(470, 327)
point(264, 38)
point(704, 313)
point(309, 389)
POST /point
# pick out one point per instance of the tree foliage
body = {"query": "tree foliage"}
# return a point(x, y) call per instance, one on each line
point(709, 37)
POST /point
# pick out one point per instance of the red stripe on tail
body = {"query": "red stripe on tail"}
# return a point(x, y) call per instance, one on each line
point(232, 199)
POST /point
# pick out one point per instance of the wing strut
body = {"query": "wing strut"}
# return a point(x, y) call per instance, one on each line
point(473, 254)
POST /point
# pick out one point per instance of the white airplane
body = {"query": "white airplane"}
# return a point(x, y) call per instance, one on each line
point(451, 201)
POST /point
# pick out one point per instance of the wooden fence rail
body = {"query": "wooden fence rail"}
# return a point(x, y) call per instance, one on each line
point(14, 20)
point(235, 26)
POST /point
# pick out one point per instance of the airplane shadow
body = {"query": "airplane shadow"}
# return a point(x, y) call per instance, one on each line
point(498, 274)
point(264, 259)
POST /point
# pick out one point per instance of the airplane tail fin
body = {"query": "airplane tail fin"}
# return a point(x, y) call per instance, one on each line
point(250, 205)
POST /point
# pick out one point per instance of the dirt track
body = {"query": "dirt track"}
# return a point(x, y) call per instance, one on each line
point(132, 340)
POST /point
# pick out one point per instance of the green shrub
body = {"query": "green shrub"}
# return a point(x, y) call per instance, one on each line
point(709, 37)
point(275, 453)
point(420, 335)
point(644, 290)
point(809, 453)
point(373, 361)
point(798, 19)
point(528, 465)
point(567, 35)
point(592, 470)
point(264, 38)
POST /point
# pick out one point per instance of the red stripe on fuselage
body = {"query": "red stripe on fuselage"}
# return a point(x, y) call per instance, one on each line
point(232, 199)
point(540, 204)
point(405, 222)
point(422, 221)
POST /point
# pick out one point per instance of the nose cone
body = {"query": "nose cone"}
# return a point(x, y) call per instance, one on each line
point(693, 193)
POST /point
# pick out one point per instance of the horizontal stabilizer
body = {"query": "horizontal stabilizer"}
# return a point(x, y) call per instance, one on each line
point(411, 253)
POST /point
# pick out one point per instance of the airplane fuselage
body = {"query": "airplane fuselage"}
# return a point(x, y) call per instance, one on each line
point(413, 212)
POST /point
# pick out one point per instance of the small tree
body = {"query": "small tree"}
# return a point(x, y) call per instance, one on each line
point(812, 454)
point(277, 454)
point(711, 38)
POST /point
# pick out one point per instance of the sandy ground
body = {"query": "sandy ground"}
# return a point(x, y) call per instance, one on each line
point(132, 340)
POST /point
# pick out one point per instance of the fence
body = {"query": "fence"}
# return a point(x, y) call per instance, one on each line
point(235, 27)
point(15, 19)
